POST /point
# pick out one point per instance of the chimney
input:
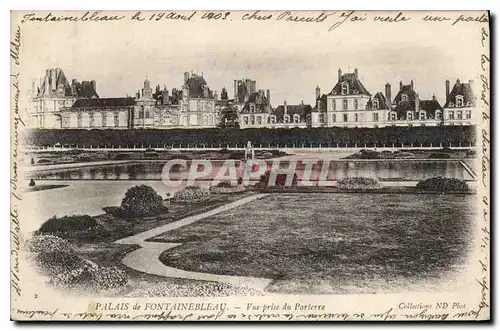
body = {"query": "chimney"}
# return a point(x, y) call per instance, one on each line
point(186, 77)
point(458, 81)
point(235, 90)
point(447, 89)
point(165, 94)
point(318, 92)
point(417, 104)
point(268, 95)
point(340, 74)
point(93, 85)
point(216, 97)
point(356, 72)
point(411, 83)
point(285, 110)
point(54, 79)
point(388, 95)
point(433, 97)
point(400, 85)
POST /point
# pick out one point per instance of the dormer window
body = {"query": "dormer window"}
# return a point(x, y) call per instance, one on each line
point(422, 115)
point(345, 88)
point(438, 115)
point(409, 116)
point(469, 104)
point(296, 118)
point(375, 104)
point(451, 105)
point(459, 101)
point(404, 97)
point(252, 108)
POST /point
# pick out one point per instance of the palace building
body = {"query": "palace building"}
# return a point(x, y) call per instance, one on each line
point(57, 103)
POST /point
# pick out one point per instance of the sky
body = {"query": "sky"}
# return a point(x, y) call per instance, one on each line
point(290, 59)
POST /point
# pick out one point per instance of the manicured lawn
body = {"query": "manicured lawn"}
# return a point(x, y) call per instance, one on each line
point(331, 243)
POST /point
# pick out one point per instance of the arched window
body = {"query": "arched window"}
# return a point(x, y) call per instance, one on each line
point(404, 97)
point(375, 104)
point(459, 100)
point(356, 104)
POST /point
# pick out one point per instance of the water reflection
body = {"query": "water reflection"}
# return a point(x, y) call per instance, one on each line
point(385, 170)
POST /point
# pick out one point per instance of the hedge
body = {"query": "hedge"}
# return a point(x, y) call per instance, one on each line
point(424, 136)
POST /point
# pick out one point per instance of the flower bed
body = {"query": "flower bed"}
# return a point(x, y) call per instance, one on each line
point(442, 184)
point(55, 258)
point(192, 194)
point(359, 183)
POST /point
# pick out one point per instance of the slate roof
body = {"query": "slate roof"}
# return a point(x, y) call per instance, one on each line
point(430, 107)
point(382, 101)
point(85, 90)
point(323, 100)
point(463, 89)
point(406, 89)
point(355, 85)
point(259, 104)
point(302, 110)
point(196, 86)
point(104, 103)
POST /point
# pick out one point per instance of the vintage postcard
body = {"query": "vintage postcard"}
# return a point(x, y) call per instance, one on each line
point(250, 165)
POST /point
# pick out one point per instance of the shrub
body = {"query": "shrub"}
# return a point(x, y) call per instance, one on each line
point(68, 224)
point(44, 161)
point(152, 154)
point(470, 153)
point(280, 179)
point(226, 188)
point(192, 194)
point(359, 183)
point(142, 200)
point(65, 159)
point(224, 151)
point(442, 184)
point(439, 156)
point(32, 182)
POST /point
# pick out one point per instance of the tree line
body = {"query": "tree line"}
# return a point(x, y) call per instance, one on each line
point(218, 137)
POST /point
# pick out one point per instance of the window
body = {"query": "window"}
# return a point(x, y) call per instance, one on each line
point(356, 117)
point(459, 115)
point(334, 105)
point(451, 115)
point(422, 115)
point(345, 117)
point(296, 118)
point(404, 97)
point(334, 118)
point(321, 118)
point(438, 115)
point(252, 108)
point(393, 116)
point(91, 119)
point(252, 119)
point(141, 112)
point(147, 114)
point(375, 117)
point(468, 115)
point(273, 119)
point(286, 119)
point(259, 120)
point(344, 104)
point(356, 104)
point(375, 104)
point(103, 120)
point(245, 120)
point(79, 120)
point(345, 88)
point(409, 116)
point(459, 100)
